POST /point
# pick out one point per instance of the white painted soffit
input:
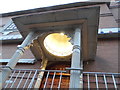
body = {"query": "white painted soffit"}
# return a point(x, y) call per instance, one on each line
point(25, 23)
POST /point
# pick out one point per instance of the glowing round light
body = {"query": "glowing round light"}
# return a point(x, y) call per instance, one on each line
point(58, 44)
point(62, 34)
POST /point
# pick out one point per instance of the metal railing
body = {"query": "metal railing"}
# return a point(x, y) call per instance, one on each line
point(26, 78)
point(101, 80)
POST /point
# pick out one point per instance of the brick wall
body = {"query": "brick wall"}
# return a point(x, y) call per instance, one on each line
point(106, 57)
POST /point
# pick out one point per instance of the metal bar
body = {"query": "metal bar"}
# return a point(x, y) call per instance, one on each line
point(46, 80)
point(60, 80)
point(53, 80)
point(4, 66)
point(65, 71)
point(101, 73)
point(9, 79)
point(31, 83)
point(114, 82)
point(105, 81)
point(96, 82)
point(15, 79)
point(74, 69)
point(41, 70)
point(21, 79)
point(88, 81)
point(27, 79)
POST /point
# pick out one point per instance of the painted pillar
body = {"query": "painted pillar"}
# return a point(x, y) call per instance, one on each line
point(12, 63)
point(75, 74)
point(40, 75)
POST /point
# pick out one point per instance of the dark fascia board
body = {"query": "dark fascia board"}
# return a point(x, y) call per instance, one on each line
point(57, 7)
point(11, 41)
point(111, 35)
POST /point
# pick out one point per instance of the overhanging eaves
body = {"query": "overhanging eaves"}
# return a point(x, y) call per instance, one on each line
point(67, 19)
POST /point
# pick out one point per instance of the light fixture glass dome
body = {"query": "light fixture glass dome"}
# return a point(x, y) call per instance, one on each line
point(58, 44)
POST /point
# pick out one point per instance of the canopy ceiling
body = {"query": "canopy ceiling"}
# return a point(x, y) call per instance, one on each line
point(63, 20)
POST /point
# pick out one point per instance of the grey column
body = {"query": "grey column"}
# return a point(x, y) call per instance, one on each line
point(41, 74)
point(75, 74)
point(12, 63)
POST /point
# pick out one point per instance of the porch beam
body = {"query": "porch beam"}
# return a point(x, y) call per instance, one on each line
point(12, 63)
point(76, 60)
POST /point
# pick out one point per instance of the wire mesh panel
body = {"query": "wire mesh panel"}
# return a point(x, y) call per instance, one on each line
point(101, 80)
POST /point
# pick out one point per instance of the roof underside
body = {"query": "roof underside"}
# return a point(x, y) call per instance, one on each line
point(65, 20)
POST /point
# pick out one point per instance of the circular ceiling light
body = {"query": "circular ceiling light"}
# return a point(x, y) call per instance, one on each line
point(58, 44)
